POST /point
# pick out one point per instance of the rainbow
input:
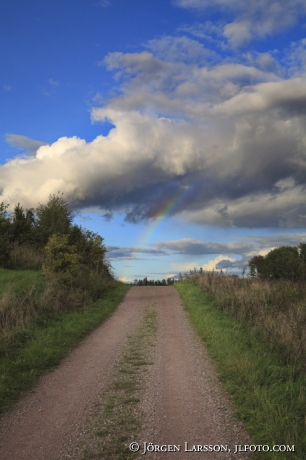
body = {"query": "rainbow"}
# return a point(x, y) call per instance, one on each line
point(167, 207)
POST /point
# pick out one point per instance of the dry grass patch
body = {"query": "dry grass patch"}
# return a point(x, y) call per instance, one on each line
point(277, 310)
point(121, 419)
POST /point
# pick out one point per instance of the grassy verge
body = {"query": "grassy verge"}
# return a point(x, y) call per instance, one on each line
point(43, 344)
point(120, 421)
point(275, 307)
point(20, 281)
point(269, 396)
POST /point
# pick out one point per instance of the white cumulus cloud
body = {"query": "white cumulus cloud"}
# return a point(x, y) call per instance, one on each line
point(222, 144)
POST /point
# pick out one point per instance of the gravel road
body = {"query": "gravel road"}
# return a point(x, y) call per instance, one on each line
point(183, 401)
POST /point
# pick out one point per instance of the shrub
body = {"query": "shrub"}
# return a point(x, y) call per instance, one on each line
point(61, 258)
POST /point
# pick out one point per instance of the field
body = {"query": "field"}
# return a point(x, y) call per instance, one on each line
point(260, 363)
point(276, 310)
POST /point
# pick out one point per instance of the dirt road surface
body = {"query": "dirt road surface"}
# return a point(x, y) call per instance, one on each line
point(183, 400)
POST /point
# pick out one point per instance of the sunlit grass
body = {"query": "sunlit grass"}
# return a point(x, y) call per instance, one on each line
point(275, 308)
point(41, 345)
point(269, 395)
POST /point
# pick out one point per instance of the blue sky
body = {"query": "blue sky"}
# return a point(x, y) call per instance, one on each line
point(174, 128)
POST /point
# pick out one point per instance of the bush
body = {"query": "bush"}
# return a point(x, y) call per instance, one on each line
point(61, 258)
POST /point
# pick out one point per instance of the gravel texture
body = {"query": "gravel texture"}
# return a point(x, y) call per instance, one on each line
point(183, 400)
point(47, 421)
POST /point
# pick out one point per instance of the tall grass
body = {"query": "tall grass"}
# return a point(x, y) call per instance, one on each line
point(29, 298)
point(41, 341)
point(41, 318)
point(26, 257)
point(276, 309)
point(20, 280)
point(269, 395)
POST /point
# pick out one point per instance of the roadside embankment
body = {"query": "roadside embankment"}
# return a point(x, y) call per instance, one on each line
point(269, 395)
point(39, 324)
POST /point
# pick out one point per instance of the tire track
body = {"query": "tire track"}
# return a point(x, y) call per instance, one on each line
point(183, 400)
point(47, 423)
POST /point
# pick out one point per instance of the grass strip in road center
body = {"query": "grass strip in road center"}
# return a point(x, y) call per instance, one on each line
point(120, 420)
point(269, 396)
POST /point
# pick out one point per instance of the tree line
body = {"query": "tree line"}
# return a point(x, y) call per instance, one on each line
point(61, 246)
point(285, 262)
point(146, 282)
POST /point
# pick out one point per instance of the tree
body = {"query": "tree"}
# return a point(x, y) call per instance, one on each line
point(285, 262)
point(5, 229)
point(256, 265)
point(302, 251)
point(55, 217)
point(90, 247)
point(22, 224)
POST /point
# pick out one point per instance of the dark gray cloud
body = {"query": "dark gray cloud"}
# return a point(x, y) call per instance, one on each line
point(232, 255)
point(194, 247)
point(247, 244)
point(115, 253)
point(219, 144)
point(108, 216)
point(224, 264)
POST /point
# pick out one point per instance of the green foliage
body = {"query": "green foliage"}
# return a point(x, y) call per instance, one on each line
point(285, 262)
point(25, 233)
point(61, 258)
point(3, 213)
point(146, 282)
point(256, 266)
point(302, 251)
point(89, 246)
point(15, 229)
point(5, 244)
point(22, 225)
point(77, 275)
point(55, 217)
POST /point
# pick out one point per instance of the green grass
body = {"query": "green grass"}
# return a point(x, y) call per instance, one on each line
point(121, 420)
point(47, 341)
point(21, 281)
point(269, 396)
